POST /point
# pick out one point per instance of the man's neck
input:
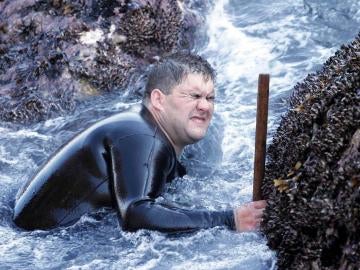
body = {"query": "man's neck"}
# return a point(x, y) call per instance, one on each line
point(178, 149)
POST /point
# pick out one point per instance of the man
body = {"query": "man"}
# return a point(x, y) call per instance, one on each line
point(124, 161)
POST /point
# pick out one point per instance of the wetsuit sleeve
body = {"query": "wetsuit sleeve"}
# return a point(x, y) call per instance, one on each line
point(140, 167)
point(148, 214)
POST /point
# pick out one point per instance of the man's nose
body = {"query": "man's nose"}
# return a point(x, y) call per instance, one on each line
point(204, 104)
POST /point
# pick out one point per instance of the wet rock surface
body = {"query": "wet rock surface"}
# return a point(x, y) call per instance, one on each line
point(53, 54)
point(312, 180)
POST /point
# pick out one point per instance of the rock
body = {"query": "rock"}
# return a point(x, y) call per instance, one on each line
point(53, 54)
point(312, 180)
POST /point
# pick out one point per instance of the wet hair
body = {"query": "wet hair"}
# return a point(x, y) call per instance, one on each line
point(173, 69)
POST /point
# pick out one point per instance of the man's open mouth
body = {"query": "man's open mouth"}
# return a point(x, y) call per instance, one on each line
point(199, 119)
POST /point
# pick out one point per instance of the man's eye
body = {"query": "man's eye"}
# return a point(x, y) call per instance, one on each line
point(195, 96)
point(211, 98)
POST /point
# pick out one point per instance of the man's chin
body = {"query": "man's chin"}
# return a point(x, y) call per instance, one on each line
point(195, 137)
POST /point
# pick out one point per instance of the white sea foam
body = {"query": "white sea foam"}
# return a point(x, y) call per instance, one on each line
point(22, 133)
point(92, 37)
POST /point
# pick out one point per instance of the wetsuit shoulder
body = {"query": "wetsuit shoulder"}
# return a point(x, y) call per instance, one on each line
point(75, 179)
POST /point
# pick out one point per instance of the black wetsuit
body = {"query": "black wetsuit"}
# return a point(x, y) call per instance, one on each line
point(123, 162)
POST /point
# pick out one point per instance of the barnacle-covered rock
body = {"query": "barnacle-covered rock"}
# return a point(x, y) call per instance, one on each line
point(54, 53)
point(312, 181)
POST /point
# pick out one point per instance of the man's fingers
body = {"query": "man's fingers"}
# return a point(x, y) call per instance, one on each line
point(249, 216)
point(258, 213)
point(259, 204)
point(258, 223)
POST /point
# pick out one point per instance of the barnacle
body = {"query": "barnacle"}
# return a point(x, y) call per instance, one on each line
point(299, 108)
point(297, 165)
point(281, 184)
point(149, 30)
point(355, 181)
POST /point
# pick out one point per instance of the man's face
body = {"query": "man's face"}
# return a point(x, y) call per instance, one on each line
point(188, 109)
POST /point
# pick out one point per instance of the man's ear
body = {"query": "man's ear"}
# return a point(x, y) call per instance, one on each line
point(157, 98)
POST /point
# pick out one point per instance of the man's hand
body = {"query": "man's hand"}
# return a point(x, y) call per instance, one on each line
point(248, 216)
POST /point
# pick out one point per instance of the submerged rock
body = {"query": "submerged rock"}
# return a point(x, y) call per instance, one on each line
point(312, 180)
point(55, 53)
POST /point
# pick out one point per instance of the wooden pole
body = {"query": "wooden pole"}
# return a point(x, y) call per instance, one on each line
point(260, 136)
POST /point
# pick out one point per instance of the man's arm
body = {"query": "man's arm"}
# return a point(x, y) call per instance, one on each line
point(140, 165)
point(148, 214)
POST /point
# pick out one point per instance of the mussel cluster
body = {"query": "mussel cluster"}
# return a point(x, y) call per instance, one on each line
point(54, 53)
point(312, 179)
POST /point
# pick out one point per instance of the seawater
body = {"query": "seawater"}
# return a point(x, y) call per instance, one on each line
point(288, 40)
